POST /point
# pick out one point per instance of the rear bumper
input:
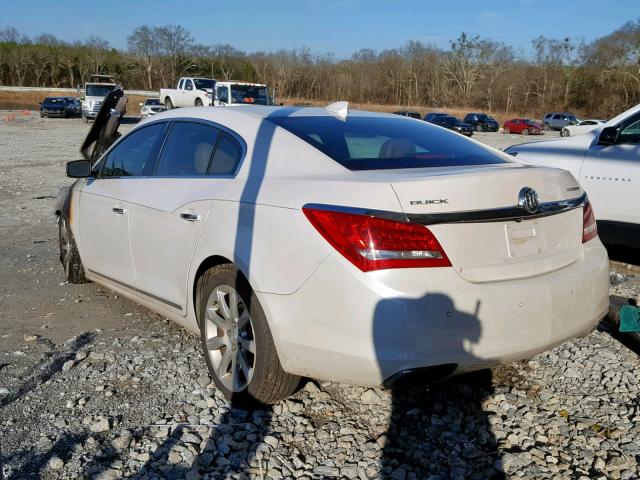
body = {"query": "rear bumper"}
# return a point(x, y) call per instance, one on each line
point(364, 328)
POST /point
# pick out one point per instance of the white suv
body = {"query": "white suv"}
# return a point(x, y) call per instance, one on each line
point(606, 162)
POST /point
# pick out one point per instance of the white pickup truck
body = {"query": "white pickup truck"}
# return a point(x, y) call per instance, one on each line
point(190, 92)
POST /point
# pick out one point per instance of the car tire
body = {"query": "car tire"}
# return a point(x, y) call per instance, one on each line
point(168, 103)
point(236, 340)
point(479, 128)
point(69, 255)
point(525, 131)
point(198, 102)
point(546, 127)
point(564, 132)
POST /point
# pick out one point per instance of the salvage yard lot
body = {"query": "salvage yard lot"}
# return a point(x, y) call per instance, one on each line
point(93, 386)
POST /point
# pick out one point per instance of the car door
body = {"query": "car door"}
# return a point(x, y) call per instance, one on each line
point(105, 203)
point(172, 206)
point(187, 97)
point(610, 174)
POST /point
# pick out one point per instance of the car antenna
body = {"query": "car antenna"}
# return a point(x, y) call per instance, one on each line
point(339, 108)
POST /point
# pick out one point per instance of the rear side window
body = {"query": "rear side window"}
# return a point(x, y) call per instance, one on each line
point(227, 156)
point(135, 154)
point(394, 142)
point(187, 150)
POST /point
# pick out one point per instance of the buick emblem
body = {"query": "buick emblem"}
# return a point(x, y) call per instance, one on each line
point(528, 199)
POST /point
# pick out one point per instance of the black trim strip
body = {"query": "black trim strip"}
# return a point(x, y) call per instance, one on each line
point(515, 213)
point(126, 285)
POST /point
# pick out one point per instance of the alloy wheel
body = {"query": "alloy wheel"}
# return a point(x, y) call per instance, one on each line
point(230, 339)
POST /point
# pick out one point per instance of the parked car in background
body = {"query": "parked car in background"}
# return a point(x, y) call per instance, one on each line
point(431, 115)
point(190, 92)
point(409, 113)
point(95, 90)
point(558, 120)
point(606, 162)
point(429, 272)
point(151, 106)
point(482, 122)
point(453, 123)
point(74, 107)
point(583, 126)
point(523, 126)
point(53, 107)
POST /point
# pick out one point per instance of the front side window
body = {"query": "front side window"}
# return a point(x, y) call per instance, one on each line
point(557, 117)
point(373, 143)
point(187, 150)
point(630, 131)
point(135, 154)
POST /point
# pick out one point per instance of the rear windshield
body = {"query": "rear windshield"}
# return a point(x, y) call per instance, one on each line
point(375, 143)
point(249, 94)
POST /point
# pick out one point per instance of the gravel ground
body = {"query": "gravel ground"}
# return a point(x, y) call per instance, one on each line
point(93, 386)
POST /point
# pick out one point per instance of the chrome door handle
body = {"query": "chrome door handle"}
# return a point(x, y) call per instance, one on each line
point(119, 211)
point(190, 217)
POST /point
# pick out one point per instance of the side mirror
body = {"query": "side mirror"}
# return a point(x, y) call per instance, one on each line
point(608, 136)
point(79, 169)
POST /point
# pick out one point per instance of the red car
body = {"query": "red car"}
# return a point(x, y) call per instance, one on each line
point(523, 126)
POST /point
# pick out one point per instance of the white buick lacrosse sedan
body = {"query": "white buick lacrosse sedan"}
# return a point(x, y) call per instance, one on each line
point(345, 245)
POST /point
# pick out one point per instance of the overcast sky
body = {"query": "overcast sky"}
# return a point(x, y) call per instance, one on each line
point(325, 26)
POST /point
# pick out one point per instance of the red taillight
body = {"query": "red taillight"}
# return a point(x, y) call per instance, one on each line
point(372, 243)
point(589, 227)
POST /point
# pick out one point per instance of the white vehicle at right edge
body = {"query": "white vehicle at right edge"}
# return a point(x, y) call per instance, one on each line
point(606, 162)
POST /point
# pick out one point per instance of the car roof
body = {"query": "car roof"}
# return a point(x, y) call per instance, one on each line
point(263, 111)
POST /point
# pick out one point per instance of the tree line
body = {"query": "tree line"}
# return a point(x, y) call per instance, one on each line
point(600, 78)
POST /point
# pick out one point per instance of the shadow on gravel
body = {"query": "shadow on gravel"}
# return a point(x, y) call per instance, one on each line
point(36, 462)
point(442, 430)
point(45, 372)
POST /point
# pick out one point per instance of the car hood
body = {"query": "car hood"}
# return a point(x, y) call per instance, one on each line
point(566, 145)
point(104, 130)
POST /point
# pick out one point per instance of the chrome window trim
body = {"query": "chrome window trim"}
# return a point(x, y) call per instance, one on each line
point(514, 213)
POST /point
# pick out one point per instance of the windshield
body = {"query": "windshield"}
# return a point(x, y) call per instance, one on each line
point(531, 122)
point(152, 101)
point(54, 101)
point(249, 94)
point(451, 119)
point(98, 90)
point(375, 143)
point(204, 83)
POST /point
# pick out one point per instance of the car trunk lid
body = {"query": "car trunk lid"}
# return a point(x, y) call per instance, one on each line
point(475, 214)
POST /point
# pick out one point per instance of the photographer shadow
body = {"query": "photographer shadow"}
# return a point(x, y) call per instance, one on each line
point(437, 425)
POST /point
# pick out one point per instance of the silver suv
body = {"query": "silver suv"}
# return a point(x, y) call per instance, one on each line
point(558, 120)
